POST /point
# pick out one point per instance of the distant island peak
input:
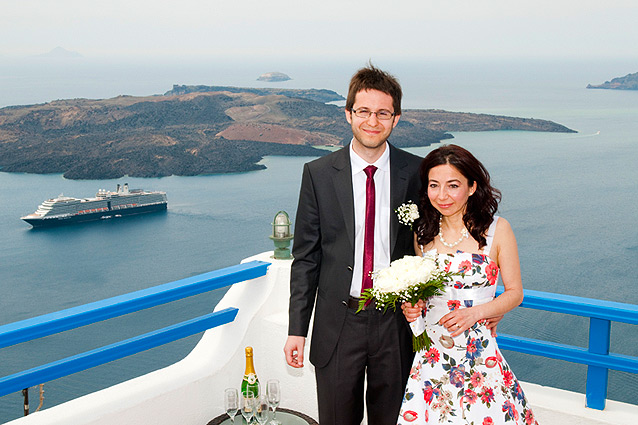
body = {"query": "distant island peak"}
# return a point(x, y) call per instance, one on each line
point(274, 77)
point(60, 53)
point(628, 82)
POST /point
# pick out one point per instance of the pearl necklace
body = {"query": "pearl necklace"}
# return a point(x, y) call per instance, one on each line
point(464, 234)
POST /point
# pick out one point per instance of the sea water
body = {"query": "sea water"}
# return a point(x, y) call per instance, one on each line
point(571, 200)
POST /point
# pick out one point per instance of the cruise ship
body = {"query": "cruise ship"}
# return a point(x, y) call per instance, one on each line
point(106, 204)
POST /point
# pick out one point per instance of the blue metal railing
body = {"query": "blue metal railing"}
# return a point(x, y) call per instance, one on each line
point(47, 324)
point(597, 356)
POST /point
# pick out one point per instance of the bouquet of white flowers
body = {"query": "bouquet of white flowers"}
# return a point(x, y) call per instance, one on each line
point(410, 279)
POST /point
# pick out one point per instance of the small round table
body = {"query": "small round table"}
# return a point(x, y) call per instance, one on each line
point(285, 416)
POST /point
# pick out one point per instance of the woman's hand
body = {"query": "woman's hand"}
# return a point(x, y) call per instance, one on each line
point(458, 321)
point(412, 312)
point(491, 323)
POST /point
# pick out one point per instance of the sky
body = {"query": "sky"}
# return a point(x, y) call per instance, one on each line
point(324, 28)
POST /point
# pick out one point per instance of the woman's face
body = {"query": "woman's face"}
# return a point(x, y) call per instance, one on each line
point(448, 190)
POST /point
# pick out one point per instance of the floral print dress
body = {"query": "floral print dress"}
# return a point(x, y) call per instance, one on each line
point(464, 380)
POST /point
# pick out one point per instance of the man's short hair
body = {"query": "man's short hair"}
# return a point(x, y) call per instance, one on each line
point(372, 78)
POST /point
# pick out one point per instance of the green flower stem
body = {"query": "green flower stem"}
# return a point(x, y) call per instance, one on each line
point(421, 342)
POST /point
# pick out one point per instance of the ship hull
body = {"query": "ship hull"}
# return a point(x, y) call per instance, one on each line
point(83, 218)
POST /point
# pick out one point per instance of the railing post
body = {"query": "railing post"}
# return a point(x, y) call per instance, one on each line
point(25, 395)
point(597, 377)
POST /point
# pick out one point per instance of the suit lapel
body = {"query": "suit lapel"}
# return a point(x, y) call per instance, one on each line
point(342, 180)
point(398, 189)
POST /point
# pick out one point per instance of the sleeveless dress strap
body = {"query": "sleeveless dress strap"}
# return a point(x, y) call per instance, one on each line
point(490, 236)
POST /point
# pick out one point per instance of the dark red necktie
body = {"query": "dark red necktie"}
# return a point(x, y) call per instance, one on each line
point(368, 239)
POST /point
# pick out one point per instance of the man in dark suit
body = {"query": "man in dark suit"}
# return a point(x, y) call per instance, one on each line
point(346, 227)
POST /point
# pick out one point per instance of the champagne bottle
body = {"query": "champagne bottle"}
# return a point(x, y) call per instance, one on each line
point(250, 381)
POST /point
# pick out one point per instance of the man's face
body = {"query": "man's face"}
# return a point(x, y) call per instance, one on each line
point(371, 133)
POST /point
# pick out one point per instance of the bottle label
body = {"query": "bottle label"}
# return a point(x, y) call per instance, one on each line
point(251, 378)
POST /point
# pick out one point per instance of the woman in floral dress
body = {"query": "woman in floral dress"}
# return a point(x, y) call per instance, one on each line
point(463, 378)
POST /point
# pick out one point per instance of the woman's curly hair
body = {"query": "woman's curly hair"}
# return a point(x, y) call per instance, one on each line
point(481, 206)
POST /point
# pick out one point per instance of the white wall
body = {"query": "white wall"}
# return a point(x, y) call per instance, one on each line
point(192, 390)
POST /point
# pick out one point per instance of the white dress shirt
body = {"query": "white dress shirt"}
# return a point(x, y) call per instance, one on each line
point(381, 214)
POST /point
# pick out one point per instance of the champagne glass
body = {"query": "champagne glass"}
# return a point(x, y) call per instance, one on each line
point(231, 403)
point(274, 397)
point(261, 409)
point(248, 406)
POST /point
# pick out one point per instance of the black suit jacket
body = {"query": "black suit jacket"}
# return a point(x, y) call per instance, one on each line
point(323, 247)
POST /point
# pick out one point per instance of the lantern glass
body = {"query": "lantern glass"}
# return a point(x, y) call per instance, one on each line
point(281, 225)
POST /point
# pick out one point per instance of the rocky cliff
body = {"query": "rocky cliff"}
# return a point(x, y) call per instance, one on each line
point(628, 82)
point(191, 132)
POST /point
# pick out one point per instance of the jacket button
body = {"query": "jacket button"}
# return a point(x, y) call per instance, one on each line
point(344, 303)
point(350, 268)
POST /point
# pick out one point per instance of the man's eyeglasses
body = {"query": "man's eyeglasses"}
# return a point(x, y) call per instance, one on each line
point(383, 114)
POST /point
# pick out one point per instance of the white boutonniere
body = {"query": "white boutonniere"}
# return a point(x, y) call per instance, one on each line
point(408, 213)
